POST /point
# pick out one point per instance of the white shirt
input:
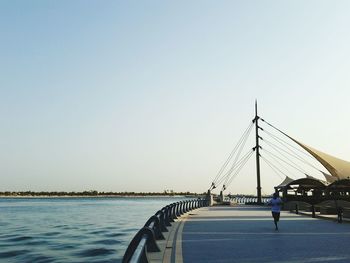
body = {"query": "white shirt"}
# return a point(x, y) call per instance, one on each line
point(276, 204)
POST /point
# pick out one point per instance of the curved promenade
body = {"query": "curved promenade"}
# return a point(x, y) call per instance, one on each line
point(246, 234)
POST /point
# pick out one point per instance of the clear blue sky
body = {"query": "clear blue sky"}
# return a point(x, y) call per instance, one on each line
point(153, 95)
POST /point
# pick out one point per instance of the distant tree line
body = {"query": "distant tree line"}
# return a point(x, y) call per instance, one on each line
point(94, 193)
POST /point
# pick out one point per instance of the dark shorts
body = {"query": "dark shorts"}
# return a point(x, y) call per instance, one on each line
point(276, 216)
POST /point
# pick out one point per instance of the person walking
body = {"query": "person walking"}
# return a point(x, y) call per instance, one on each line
point(276, 203)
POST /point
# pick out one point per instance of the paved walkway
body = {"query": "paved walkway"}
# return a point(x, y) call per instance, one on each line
point(247, 234)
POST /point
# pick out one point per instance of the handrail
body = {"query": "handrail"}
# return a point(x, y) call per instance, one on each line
point(146, 238)
point(154, 224)
point(143, 242)
point(338, 209)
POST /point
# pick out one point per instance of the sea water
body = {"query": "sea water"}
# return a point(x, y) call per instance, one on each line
point(72, 229)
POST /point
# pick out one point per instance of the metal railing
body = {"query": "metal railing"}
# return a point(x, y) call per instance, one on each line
point(321, 208)
point(249, 200)
point(146, 238)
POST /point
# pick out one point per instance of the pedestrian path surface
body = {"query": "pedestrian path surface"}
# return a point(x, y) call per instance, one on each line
point(247, 234)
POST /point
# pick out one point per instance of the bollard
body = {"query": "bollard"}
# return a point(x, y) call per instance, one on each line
point(296, 209)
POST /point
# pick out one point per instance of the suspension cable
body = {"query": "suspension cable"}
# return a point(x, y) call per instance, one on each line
point(242, 163)
point(286, 135)
point(273, 167)
point(232, 152)
point(223, 167)
point(291, 154)
point(286, 144)
point(239, 169)
point(296, 168)
point(280, 164)
point(234, 167)
point(296, 165)
point(236, 158)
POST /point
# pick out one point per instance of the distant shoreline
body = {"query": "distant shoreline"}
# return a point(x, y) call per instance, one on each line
point(94, 194)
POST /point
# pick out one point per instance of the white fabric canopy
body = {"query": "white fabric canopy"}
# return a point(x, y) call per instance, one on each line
point(286, 181)
point(329, 178)
point(338, 168)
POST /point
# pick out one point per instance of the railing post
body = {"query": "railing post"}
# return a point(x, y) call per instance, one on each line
point(177, 209)
point(187, 206)
point(162, 221)
point(174, 211)
point(313, 211)
point(156, 227)
point(170, 213)
point(166, 216)
point(340, 214)
point(183, 207)
point(146, 234)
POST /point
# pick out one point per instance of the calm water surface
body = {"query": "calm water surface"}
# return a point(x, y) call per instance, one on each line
point(72, 229)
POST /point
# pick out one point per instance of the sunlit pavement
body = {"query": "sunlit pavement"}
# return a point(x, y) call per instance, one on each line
point(247, 234)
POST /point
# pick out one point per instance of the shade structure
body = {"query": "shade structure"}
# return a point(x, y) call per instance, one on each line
point(306, 184)
point(329, 178)
point(286, 181)
point(338, 168)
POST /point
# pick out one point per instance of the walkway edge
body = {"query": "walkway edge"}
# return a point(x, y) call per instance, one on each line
point(171, 247)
